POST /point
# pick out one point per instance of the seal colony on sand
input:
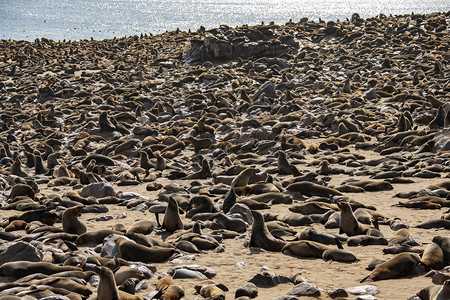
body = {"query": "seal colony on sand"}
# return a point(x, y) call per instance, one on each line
point(267, 148)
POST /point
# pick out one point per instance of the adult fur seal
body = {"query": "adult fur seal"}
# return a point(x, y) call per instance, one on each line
point(19, 269)
point(350, 225)
point(444, 243)
point(107, 287)
point(172, 221)
point(130, 250)
point(261, 237)
point(402, 264)
point(70, 221)
point(306, 249)
point(242, 178)
point(312, 189)
point(433, 257)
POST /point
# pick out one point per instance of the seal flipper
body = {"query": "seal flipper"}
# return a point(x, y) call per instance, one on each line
point(157, 219)
point(316, 249)
point(338, 243)
point(375, 223)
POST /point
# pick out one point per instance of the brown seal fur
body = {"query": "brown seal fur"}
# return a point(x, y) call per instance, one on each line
point(70, 222)
point(19, 269)
point(305, 249)
point(167, 290)
point(172, 221)
point(107, 287)
point(312, 189)
point(444, 243)
point(242, 178)
point(142, 226)
point(433, 257)
point(210, 291)
point(130, 250)
point(261, 237)
point(350, 225)
point(402, 264)
point(21, 189)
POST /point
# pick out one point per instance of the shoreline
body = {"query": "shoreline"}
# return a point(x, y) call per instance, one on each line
point(317, 19)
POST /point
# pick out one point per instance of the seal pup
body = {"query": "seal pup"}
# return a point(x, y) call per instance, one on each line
point(70, 221)
point(210, 291)
point(200, 204)
point(306, 248)
point(203, 173)
point(142, 226)
point(167, 290)
point(261, 237)
point(435, 292)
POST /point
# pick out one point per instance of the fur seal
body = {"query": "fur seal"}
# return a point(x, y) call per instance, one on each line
point(323, 238)
point(261, 237)
point(172, 221)
point(200, 204)
point(241, 180)
point(21, 189)
point(313, 207)
point(19, 269)
point(95, 236)
point(340, 255)
point(284, 167)
point(167, 290)
point(107, 287)
point(435, 292)
point(305, 249)
point(444, 244)
point(229, 223)
point(444, 291)
point(312, 189)
point(229, 201)
point(142, 226)
point(70, 221)
point(402, 264)
point(130, 250)
point(350, 225)
point(433, 257)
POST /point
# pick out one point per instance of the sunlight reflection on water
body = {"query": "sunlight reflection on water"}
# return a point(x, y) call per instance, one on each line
point(81, 19)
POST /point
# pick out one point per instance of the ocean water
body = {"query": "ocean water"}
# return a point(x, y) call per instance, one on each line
point(102, 19)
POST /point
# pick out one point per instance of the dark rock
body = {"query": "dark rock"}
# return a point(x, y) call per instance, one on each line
point(305, 289)
point(249, 289)
point(17, 251)
point(335, 293)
